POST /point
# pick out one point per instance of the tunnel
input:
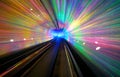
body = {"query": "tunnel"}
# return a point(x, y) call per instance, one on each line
point(59, 38)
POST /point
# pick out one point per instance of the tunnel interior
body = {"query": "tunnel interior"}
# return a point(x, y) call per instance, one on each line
point(59, 38)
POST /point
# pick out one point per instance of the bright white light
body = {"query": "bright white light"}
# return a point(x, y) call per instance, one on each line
point(24, 39)
point(84, 43)
point(11, 40)
point(31, 9)
point(98, 48)
point(96, 42)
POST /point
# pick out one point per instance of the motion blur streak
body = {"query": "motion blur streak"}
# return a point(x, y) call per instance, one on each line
point(60, 38)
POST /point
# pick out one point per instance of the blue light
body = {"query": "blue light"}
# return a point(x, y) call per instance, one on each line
point(58, 33)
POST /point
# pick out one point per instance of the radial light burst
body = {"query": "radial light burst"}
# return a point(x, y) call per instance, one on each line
point(93, 27)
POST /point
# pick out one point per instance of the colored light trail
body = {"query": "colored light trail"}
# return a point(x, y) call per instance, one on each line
point(91, 26)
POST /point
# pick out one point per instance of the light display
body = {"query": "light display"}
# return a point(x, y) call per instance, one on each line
point(92, 26)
